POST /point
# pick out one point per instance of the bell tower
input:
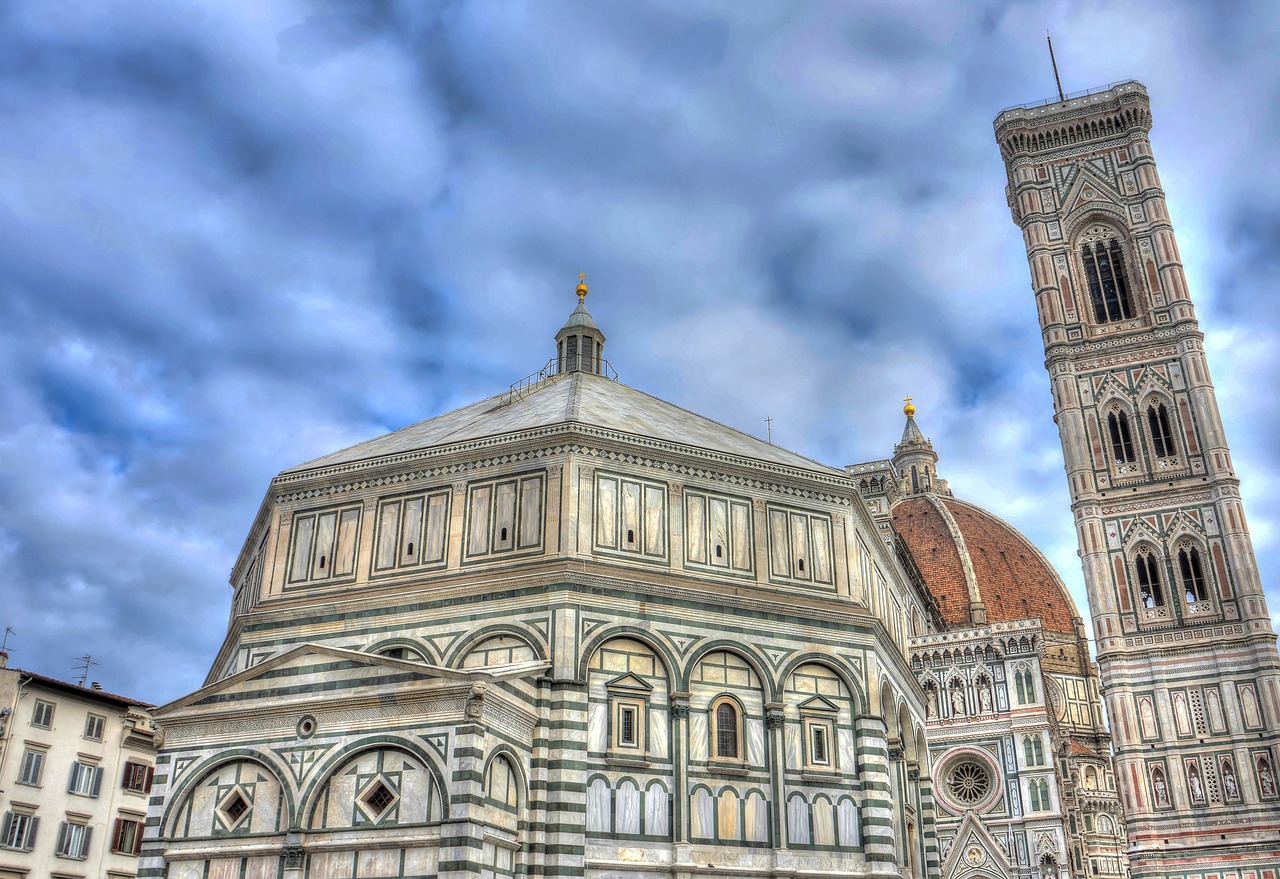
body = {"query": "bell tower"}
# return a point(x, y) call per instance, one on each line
point(1184, 641)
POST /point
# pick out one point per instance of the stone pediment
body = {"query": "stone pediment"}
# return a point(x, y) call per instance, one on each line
point(316, 673)
point(629, 682)
point(975, 853)
point(817, 703)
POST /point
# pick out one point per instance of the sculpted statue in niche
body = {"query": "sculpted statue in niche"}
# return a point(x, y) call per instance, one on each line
point(1160, 786)
point(931, 702)
point(957, 699)
point(984, 696)
point(1194, 782)
point(1229, 784)
point(1266, 778)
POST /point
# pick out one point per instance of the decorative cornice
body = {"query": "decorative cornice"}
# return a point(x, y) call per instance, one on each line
point(735, 470)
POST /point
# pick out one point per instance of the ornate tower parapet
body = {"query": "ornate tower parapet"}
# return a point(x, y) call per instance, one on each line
point(1184, 640)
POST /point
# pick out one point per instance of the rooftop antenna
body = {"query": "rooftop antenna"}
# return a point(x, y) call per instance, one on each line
point(4, 646)
point(86, 662)
point(768, 425)
point(1054, 62)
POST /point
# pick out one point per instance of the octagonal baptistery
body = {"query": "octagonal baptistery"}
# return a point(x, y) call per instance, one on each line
point(1023, 758)
point(568, 630)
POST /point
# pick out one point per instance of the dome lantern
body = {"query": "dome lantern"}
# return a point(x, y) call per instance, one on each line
point(580, 343)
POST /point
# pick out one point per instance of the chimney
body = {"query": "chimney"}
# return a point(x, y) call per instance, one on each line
point(96, 687)
point(4, 659)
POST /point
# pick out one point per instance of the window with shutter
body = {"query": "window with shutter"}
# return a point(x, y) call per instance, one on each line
point(32, 768)
point(126, 837)
point(19, 831)
point(73, 840)
point(86, 780)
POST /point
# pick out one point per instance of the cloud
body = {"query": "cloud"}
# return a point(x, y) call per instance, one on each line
point(238, 236)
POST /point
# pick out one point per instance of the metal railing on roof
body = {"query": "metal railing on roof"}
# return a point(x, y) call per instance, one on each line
point(555, 369)
point(1070, 96)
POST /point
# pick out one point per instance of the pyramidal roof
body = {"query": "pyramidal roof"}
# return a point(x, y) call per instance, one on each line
point(571, 398)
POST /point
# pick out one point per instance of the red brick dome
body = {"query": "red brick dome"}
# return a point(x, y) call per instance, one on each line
point(965, 554)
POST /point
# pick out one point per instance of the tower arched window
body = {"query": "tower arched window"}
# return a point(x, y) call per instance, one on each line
point(1161, 431)
point(1192, 570)
point(1121, 437)
point(1104, 272)
point(915, 479)
point(1149, 587)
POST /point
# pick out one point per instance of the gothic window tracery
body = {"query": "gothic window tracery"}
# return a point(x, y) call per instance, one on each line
point(1103, 261)
point(1191, 569)
point(1161, 430)
point(1148, 572)
point(1121, 435)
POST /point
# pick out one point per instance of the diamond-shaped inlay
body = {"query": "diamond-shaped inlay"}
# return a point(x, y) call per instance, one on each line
point(234, 808)
point(377, 797)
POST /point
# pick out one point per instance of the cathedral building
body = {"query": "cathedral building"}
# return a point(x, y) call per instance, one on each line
point(1019, 746)
point(575, 630)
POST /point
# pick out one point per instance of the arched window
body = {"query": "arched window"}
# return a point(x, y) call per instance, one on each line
point(1148, 571)
point(1104, 271)
point(1192, 571)
point(915, 479)
point(1121, 437)
point(1033, 750)
point(1161, 432)
point(1039, 790)
point(728, 739)
point(1025, 685)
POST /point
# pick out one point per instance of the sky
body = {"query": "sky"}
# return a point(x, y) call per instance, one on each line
point(235, 236)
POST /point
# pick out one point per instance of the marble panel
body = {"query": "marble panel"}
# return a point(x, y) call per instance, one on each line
point(728, 824)
point(322, 556)
point(702, 815)
point(697, 735)
point(655, 533)
point(755, 741)
point(847, 824)
point(658, 733)
point(696, 528)
point(531, 512)
point(344, 554)
point(657, 807)
point(627, 807)
point(756, 817)
point(597, 726)
point(411, 535)
point(797, 820)
point(599, 806)
point(824, 821)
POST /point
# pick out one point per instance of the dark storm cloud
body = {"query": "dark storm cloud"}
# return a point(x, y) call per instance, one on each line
point(237, 236)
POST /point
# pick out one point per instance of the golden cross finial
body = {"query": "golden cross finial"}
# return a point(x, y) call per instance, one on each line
point(908, 410)
point(582, 286)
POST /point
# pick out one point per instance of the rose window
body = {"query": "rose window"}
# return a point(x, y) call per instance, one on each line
point(969, 783)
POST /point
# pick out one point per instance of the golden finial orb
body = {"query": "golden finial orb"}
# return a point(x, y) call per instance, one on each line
point(908, 410)
point(582, 286)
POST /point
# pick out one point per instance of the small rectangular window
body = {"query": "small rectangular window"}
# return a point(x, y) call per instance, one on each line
point(32, 767)
point(93, 725)
point(820, 745)
point(627, 726)
point(73, 840)
point(42, 714)
point(86, 780)
point(19, 831)
point(126, 839)
point(137, 777)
